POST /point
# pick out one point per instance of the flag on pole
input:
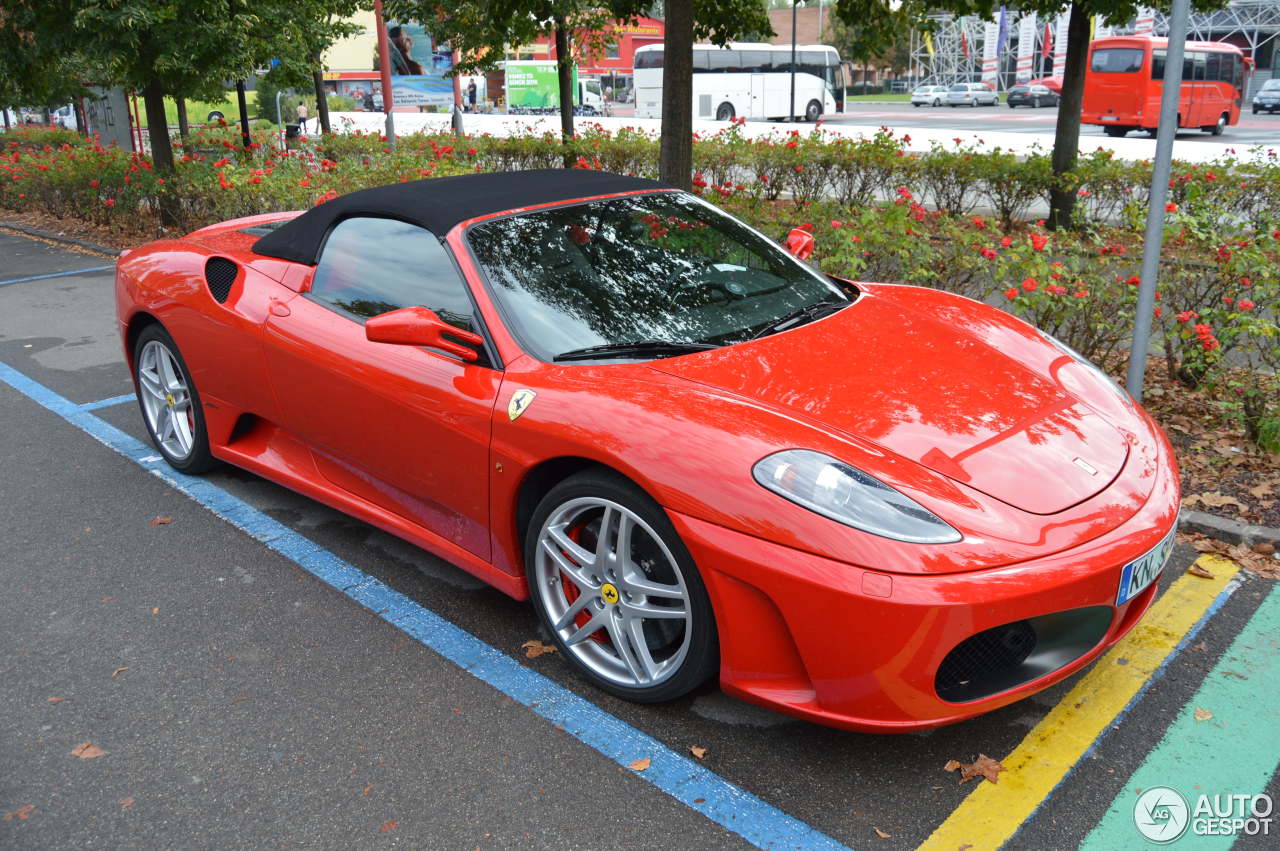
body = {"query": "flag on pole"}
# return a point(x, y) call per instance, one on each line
point(1047, 46)
point(1003, 36)
point(964, 44)
point(928, 43)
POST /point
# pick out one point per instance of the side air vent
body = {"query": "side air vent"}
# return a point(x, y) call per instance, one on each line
point(220, 274)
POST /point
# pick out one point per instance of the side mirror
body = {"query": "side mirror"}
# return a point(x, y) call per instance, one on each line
point(800, 242)
point(419, 326)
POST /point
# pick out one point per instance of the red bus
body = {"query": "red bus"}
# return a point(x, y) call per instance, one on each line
point(1125, 79)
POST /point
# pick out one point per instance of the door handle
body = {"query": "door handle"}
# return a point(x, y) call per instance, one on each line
point(278, 307)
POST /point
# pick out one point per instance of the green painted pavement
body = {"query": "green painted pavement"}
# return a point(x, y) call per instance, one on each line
point(1234, 752)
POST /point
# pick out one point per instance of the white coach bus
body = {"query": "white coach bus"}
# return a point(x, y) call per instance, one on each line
point(747, 80)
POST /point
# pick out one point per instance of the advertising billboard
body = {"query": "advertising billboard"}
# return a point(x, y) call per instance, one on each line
point(533, 84)
point(418, 67)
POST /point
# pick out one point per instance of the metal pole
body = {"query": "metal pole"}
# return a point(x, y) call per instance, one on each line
point(384, 67)
point(280, 120)
point(1167, 129)
point(791, 116)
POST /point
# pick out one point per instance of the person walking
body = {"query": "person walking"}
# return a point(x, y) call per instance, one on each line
point(302, 116)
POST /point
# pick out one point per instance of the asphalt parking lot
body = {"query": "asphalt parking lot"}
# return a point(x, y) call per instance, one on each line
point(257, 669)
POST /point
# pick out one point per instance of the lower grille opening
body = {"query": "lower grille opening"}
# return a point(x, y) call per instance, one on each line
point(1011, 654)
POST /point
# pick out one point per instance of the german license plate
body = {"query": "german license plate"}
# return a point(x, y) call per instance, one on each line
point(1144, 570)
point(1110, 118)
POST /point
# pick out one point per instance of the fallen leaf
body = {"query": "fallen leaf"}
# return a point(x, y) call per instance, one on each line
point(880, 833)
point(1265, 548)
point(155, 611)
point(119, 670)
point(366, 791)
point(699, 800)
point(639, 764)
point(1198, 570)
point(56, 699)
point(700, 753)
point(126, 803)
point(106, 599)
point(161, 521)
point(21, 813)
point(1200, 647)
point(388, 826)
point(534, 649)
point(87, 750)
point(983, 766)
point(1263, 491)
point(1202, 714)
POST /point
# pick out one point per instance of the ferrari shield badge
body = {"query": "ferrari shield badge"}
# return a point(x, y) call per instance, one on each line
point(520, 402)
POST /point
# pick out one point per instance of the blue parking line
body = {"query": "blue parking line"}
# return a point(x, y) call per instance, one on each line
point(56, 275)
point(107, 403)
point(755, 820)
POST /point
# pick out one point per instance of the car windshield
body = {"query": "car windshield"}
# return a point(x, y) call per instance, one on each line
point(959, 87)
point(653, 267)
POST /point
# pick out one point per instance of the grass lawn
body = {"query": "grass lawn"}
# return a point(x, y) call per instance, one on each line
point(198, 110)
point(897, 96)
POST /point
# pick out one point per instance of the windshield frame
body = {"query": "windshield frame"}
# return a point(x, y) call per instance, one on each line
point(839, 287)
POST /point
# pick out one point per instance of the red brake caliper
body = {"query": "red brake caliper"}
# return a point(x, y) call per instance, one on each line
point(571, 593)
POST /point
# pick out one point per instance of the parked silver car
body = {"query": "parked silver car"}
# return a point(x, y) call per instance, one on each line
point(971, 94)
point(929, 96)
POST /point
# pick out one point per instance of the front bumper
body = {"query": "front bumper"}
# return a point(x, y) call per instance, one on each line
point(860, 649)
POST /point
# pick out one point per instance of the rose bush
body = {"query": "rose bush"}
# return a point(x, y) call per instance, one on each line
point(952, 217)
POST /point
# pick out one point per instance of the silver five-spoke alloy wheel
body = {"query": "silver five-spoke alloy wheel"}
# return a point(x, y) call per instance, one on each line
point(166, 400)
point(613, 592)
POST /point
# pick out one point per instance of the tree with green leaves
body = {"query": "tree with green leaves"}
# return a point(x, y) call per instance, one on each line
point(715, 21)
point(33, 72)
point(481, 32)
point(879, 21)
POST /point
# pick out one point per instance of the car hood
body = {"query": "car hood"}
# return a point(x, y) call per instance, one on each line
point(929, 391)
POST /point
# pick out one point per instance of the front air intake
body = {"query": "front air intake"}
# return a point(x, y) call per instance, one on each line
point(220, 273)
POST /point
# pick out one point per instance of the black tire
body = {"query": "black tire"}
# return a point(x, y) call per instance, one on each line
point(702, 657)
point(812, 111)
point(1035, 102)
point(724, 112)
point(1218, 128)
point(916, 104)
point(937, 101)
point(1115, 132)
point(1011, 106)
point(198, 459)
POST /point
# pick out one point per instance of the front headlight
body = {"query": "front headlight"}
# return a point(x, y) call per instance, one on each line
point(847, 495)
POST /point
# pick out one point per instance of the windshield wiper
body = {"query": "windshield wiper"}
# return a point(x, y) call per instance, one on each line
point(808, 313)
point(654, 348)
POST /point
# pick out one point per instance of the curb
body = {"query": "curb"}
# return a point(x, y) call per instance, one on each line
point(1232, 531)
point(30, 231)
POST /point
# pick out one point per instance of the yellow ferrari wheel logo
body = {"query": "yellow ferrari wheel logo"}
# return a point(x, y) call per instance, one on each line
point(169, 398)
point(609, 593)
point(520, 402)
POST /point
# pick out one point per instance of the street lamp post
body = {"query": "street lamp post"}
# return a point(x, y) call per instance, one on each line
point(1167, 129)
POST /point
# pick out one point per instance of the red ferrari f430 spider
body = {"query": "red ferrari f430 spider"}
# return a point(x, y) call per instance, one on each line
point(873, 506)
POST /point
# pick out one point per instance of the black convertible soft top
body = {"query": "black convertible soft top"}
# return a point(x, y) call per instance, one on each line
point(439, 203)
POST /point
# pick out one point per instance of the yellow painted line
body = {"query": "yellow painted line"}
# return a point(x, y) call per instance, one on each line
point(993, 812)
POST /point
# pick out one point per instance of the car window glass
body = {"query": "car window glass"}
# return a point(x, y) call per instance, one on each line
point(663, 266)
point(371, 266)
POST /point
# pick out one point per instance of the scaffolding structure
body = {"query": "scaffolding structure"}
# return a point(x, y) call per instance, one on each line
point(954, 52)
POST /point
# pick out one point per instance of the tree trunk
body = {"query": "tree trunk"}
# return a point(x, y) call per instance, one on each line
point(1066, 140)
point(161, 150)
point(7, 125)
point(245, 138)
point(184, 127)
point(564, 74)
point(82, 118)
point(675, 153)
point(322, 97)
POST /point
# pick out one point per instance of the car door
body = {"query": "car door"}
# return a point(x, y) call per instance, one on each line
point(404, 427)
